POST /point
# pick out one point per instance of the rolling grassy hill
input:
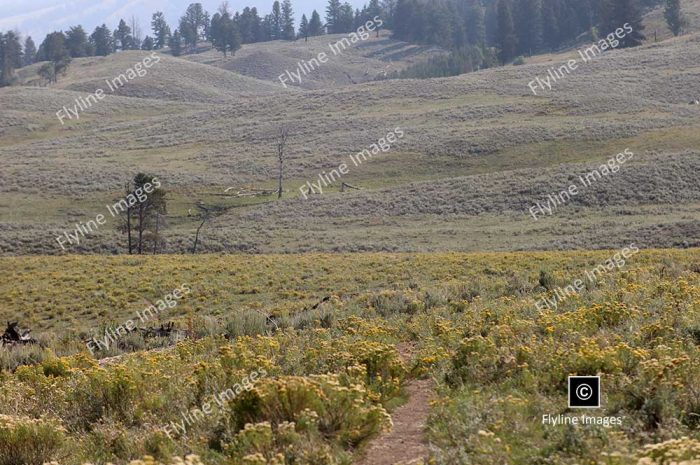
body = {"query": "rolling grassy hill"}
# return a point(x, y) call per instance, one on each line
point(478, 151)
point(366, 61)
point(167, 78)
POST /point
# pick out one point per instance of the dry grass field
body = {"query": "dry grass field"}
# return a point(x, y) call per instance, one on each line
point(332, 376)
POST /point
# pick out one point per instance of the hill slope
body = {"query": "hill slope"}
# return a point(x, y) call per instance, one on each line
point(362, 62)
point(167, 78)
point(479, 150)
point(655, 23)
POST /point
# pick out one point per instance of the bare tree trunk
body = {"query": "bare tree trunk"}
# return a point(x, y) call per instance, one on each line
point(196, 237)
point(284, 133)
point(141, 227)
point(279, 189)
point(129, 212)
point(135, 33)
point(128, 229)
point(156, 237)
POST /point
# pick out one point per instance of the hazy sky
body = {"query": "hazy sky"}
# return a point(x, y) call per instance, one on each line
point(39, 17)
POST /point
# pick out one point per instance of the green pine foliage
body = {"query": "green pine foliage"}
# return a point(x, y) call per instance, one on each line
point(516, 27)
point(674, 16)
point(472, 31)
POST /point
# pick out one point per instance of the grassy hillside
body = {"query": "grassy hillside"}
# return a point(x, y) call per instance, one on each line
point(167, 78)
point(473, 145)
point(366, 61)
point(654, 21)
point(329, 377)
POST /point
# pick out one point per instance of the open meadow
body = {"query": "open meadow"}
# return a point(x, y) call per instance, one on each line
point(331, 376)
point(208, 261)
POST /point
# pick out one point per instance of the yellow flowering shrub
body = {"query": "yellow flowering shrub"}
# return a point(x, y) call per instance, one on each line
point(288, 443)
point(468, 321)
point(683, 451)
point(336, 406)
point(148, 460)
point(29, 441)
point(637, 330)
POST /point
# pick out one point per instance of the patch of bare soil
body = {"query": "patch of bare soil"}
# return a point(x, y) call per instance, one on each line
point(406, 443)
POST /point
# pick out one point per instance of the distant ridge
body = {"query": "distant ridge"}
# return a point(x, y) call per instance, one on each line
point(172, 78)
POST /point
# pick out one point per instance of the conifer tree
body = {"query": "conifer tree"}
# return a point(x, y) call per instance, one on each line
point(29, 55)
point(122, 37)
point(161, 30)
point(458, 26)
point(101, 41)
point(10, 57)
point(674, 16)
point(436, 26)
point(402, 20)
point(304, 28)
point(288, 32)
point(256, 28)
point(615, 14)
point(148, 43)
point(507, 41)
point(373, 9)
point(225, 34)
point(194, 24)
point(333, 13)
point(175, 43)
point(315, 26)
point(550, 21)
point(276, 21)
point(77, 42)
point(358, 19)
point(144, 221)
point(475, 25)
point(529, 26)
point(347, 18)
point(53, 49)
point(245, 25)
point(388, 8)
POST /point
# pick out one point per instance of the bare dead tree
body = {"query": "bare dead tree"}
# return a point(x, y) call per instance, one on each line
point(207, 212)
point(196, 236)
point(281, 156)
point(224, 8)
point(157, 240)
point(126, 226)
point(136, 32)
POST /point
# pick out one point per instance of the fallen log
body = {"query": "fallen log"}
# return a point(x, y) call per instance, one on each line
point(345, 184)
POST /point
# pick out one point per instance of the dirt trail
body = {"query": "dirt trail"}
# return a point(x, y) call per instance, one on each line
point(406, 443)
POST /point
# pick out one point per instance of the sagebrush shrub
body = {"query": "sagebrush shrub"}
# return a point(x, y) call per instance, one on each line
point(25, 441)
